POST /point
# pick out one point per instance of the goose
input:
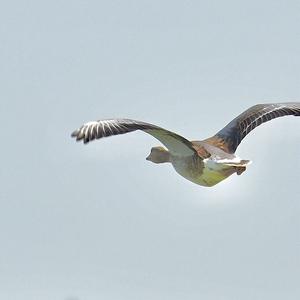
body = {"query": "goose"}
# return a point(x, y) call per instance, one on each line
point(206, 162)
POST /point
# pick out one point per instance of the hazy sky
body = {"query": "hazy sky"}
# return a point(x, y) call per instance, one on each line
point(99, 221)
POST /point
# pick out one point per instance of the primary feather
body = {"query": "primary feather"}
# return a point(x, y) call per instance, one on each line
point(176, 144)
point(234, 132)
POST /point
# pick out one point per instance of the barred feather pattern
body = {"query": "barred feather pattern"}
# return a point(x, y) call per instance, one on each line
point(103, 128)
point(234, 132)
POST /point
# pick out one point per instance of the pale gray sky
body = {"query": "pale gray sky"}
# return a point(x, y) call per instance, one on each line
point(99, 221)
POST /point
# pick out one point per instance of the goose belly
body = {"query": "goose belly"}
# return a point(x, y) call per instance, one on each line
point(213, 175)
point(206, 173)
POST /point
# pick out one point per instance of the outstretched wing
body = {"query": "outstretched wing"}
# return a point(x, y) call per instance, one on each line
point(175, 143)
point(233, 133)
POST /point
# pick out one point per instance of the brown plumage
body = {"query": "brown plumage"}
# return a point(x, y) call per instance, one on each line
point(204, 162)
point(233, 133)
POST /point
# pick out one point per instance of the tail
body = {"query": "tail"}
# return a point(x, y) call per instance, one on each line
point(242, 163)
point(241, 166)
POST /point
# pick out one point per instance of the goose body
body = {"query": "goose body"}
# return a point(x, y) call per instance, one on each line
point(206, 162)
point(211, 170)
point(205, 173)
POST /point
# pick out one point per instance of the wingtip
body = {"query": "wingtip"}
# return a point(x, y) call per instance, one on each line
point(74, 133)
point(79, 136)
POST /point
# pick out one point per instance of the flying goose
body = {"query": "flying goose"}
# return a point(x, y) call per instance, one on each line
point(204, 162)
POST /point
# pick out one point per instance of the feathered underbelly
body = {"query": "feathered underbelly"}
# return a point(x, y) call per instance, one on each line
point(206, 173)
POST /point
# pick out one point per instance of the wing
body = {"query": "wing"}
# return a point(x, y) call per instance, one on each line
point(233, 133)
point(175, 143)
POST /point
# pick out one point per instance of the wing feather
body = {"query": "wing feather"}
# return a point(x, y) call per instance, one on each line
point(175, 143)
point(233, 133)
